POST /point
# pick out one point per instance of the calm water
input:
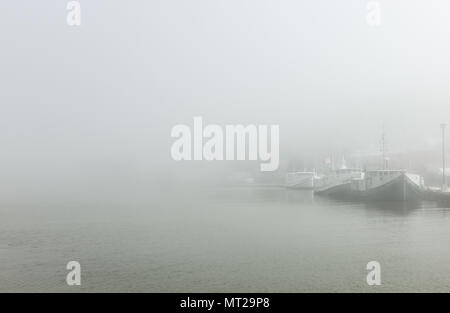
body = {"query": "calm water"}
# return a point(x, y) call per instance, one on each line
point(222, 240)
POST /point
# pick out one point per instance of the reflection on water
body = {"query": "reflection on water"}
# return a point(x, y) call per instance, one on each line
point(394, 207)
point(241, 239)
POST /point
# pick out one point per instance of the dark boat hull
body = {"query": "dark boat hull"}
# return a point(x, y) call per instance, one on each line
point(341, 191)
point(398, 189)
point(440, 197)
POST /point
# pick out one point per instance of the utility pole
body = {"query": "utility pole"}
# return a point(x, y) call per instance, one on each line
point(444, 182)
point(384, 164)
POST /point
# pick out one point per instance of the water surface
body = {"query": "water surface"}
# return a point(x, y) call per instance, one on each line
point(240, 239)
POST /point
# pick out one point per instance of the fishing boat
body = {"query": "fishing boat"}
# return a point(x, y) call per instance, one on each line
point(388, 185)
point(337, 183)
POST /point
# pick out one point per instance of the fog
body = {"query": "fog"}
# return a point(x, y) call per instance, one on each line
point(91, 108)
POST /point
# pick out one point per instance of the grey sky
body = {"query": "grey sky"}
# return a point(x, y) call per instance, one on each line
point(109, 91)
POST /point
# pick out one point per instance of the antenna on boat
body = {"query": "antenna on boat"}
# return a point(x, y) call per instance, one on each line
point(444, 182)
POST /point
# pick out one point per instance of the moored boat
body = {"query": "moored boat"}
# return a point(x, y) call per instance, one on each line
point(441, 197)
point(388, 185)
point(337, 184)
